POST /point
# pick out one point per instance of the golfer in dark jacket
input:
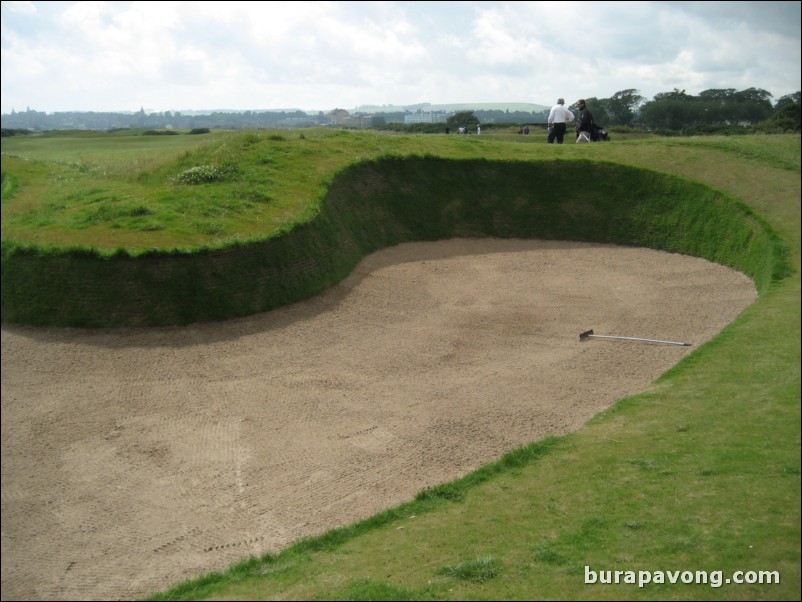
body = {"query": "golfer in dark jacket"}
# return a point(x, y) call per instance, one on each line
point(585, 123)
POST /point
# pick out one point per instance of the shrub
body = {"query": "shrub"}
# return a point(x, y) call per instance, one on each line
point(203, 174)
point(4, 132)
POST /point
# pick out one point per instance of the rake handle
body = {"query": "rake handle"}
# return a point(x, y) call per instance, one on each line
point(589, 334)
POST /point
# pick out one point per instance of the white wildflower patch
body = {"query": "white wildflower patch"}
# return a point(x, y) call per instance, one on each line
point(203, 174)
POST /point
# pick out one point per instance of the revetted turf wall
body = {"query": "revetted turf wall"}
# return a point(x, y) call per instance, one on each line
point(378, 204)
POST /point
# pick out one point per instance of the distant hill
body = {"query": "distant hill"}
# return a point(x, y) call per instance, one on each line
point(450, 108)
point(423, 106)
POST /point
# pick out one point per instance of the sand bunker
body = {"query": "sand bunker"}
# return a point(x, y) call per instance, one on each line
point(135, 459)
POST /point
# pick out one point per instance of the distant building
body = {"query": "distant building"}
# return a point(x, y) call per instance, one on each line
point(439, 117)
point(359, 121)
point(338, 117)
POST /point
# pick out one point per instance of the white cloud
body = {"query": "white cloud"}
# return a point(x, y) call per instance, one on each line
point(321, 55)
point(22, 8)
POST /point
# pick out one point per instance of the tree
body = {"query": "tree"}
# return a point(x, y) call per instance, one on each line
point(752, 105)
point(673, 95)
point(668, 113)
point(718, 94)
point(677, 110)
point(787, 115)
point(754, 95)
point(669, 110)
point(795, 98)
point(623, 106)
point(462, 119)
point(787, 119)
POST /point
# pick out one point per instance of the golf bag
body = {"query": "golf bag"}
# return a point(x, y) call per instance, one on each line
point(599, 134)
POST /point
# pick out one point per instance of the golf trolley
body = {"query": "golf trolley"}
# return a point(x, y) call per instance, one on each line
point(597, 134)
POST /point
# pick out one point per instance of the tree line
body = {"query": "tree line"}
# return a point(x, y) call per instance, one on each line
point(714, 108)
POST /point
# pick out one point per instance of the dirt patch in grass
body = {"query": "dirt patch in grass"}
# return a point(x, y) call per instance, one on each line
point(136, 459)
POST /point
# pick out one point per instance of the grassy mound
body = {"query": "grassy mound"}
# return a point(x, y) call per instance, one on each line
point(377, 203)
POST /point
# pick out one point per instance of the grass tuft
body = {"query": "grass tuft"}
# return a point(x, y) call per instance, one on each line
point(479, 570)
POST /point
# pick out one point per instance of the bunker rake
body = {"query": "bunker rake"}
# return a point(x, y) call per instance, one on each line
point(588, 334)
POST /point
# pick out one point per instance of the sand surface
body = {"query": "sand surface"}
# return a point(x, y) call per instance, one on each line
point(135, 459)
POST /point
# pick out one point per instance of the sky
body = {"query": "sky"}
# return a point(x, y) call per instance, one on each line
point(313, 56)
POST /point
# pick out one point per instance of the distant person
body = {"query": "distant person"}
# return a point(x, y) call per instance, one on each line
point(478, 129)
point(520, 130)
point(559, 116)
point(526, 130)
point(447, 130)
point(584, 128)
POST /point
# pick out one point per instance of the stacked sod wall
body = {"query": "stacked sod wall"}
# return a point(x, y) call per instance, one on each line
point(381, 203)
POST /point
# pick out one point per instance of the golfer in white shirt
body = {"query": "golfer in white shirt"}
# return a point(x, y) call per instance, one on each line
point(559, 116)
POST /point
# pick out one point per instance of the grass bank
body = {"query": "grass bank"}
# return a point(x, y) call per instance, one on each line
point(295, 235)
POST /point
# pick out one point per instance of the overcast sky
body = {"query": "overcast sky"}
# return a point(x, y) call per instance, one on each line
point(120, 56)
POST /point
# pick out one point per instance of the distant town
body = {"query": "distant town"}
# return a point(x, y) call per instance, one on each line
point(360, 118)
point(723, 111)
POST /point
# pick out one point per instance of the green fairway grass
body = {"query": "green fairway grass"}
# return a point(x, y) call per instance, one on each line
point(700, 472)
